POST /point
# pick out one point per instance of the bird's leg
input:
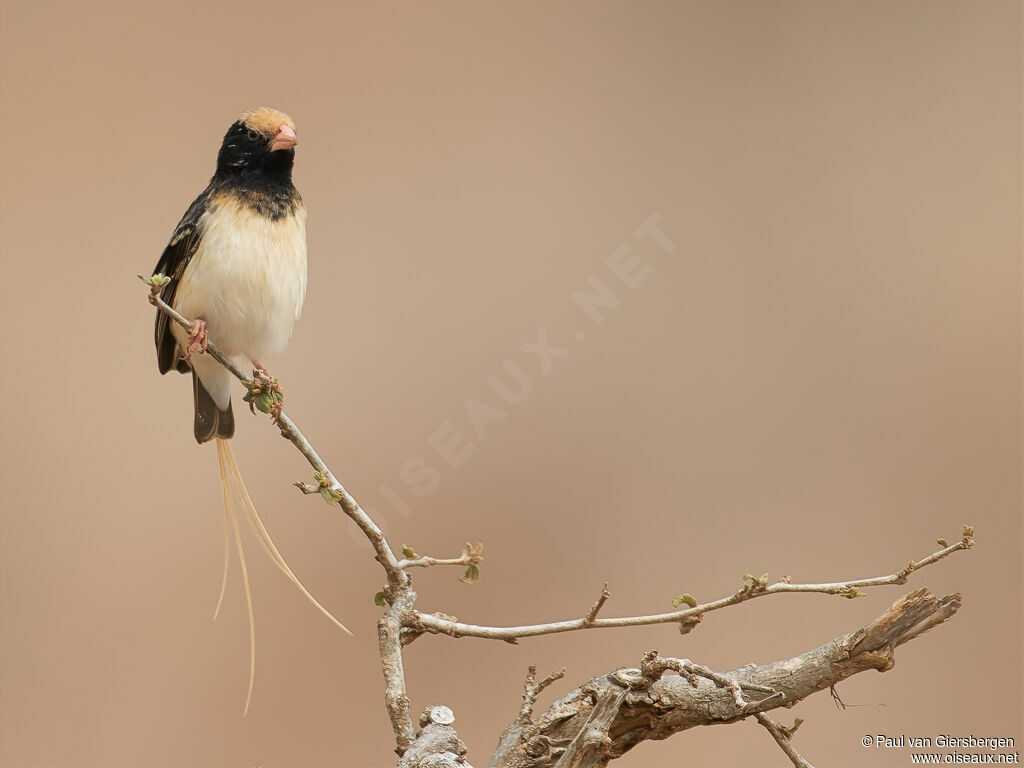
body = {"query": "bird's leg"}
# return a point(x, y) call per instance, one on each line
point(197, 338)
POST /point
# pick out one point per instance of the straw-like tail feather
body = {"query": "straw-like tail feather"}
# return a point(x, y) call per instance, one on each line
point(234, 490)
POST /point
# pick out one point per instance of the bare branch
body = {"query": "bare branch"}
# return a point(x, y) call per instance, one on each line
point(290, 431)
point(532, 689)
point(426, 562)
point(782, 738)
point(605, 594)
point(436, 624)
point(402, 596)
point(609, 715)
point(653, 666)
point(396, 697)
point(471, 555)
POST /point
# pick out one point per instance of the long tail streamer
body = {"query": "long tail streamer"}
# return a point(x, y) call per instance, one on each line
point(234, 490)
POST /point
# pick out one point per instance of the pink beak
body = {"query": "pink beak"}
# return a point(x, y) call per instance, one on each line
point(285, 139)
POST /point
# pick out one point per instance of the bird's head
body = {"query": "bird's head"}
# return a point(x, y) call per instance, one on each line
point(262, 140)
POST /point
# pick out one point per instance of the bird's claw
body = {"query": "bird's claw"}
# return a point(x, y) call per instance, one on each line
point(197, 338)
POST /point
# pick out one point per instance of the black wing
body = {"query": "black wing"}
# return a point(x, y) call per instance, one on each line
point(173, 261)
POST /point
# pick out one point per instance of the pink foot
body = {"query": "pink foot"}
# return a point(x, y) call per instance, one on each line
point(197, 338)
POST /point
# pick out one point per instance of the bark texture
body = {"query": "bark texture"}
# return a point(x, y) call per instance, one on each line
point(609, 715)
point(437, 746)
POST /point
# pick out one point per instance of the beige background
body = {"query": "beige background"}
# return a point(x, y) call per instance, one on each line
point(822, 378)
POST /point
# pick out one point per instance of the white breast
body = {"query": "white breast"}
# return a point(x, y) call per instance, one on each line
point(247, 279)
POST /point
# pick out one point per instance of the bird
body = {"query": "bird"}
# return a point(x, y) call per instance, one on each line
point(236, 264)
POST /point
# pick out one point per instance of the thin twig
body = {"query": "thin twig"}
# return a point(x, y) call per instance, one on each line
point(389, 630)
point(532, 689)
point(471, 555)
point(426, 562)
point(653, 666)
point(438, 625)
point(289, 430)
point(596, 609)
point(783, 740)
